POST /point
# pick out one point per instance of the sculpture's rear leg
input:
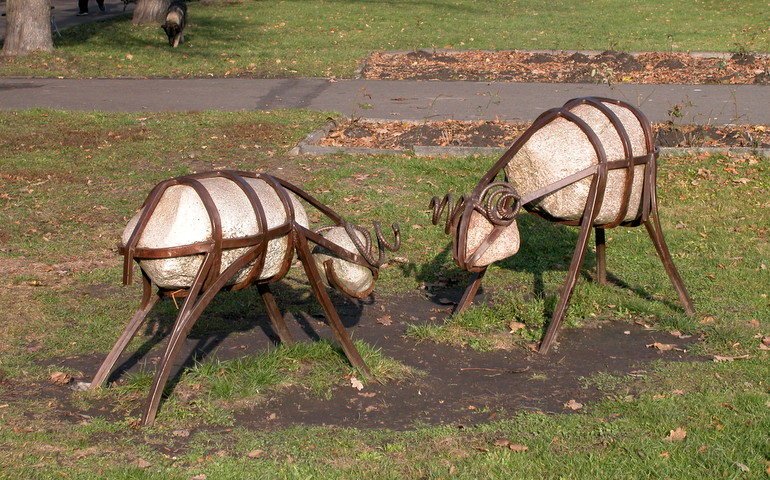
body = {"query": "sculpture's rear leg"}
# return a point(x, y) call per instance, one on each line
point(148, 301)
point(656, 234)
point(314, 277)
point(274, 313)
point(601, 256)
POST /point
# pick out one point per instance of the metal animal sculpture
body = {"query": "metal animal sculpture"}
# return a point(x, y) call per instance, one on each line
point(198, 234)
point(590, 163)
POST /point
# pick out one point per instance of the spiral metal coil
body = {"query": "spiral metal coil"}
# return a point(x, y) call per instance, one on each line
point(499, 203)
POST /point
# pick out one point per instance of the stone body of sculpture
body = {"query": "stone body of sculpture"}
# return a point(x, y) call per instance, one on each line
point(198, 234)
point(592, 164)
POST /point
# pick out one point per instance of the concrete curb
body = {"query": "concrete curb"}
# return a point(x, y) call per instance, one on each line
point(309, 146)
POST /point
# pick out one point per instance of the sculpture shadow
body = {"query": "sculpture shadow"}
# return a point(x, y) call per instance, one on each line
point(236, 312)
point(545, 247)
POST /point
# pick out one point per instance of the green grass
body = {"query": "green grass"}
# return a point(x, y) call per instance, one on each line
point(331, 37)
point(70, 181)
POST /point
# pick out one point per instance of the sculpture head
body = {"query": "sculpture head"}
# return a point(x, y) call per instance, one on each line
point(352, 265)
point(483, 227)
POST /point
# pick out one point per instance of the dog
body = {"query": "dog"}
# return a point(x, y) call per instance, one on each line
point(176, 18)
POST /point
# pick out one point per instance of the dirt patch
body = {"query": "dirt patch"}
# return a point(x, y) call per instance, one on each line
point(564, 67)
point(405, 136)
point(457, 386)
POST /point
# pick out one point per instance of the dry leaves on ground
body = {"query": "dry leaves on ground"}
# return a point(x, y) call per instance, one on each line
point(676, 435)
point(557, 67)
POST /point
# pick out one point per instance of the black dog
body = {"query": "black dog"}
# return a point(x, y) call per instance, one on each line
point(176, 18)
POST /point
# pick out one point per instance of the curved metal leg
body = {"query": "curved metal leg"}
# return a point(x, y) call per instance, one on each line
point(189, 313)
point(601, 256)
point(148, 301)
point(303, 251)
point(656, 234)
point(470, 292)
point(566, 293)
point(274, 313)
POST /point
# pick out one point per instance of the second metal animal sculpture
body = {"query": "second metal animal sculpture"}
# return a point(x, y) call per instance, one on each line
point(591, 163)
point(198, 234)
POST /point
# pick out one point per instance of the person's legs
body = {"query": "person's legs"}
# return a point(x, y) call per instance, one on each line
point(82, 7)
point(100, 4)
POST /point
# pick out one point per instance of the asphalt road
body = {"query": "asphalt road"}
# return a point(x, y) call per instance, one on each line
point(406, 100)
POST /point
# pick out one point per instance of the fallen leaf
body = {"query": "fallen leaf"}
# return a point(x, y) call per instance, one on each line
point(742, 467)
point(664, 455)
point(61, 378)
point(255, 453)
point(724, 358)
point(573, 405)
point(502, 442)
point(677, 392)
point(515, 326)
point(679, 334)
point(663, 347)
point(371, 408)
point(181, 433)
point(517, 447)
point(356, 383)
point(200, 476)
point(676, 435)
point(766, 340)
point(142, 463)
point(385, 320)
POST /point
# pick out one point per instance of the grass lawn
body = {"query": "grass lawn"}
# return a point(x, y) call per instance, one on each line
point(70, 181)
point(330, 37)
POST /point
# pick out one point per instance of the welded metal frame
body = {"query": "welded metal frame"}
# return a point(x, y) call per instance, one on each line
point(209, 280)
point(500, 204)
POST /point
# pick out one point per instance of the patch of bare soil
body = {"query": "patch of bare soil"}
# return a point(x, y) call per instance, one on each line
point(404, 136)
point(457, 386)
point(565, 67)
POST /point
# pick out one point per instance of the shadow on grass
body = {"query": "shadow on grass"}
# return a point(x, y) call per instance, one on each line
point(545, 247)
point(119, 33)
point(230, 313)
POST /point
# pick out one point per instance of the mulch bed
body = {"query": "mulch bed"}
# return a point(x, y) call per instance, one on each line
point(406, 135)
point(570, 67)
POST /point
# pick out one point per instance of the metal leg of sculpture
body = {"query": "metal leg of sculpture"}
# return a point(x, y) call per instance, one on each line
point(274, 313)
point(192, 308)
point(656, 234)
point(303, 251)
point(601, 256)
point(569, 283)
point(148, 301)
point(470, 292)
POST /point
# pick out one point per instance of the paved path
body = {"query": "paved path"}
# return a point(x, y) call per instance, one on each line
point(64, 13)
point(410, 100)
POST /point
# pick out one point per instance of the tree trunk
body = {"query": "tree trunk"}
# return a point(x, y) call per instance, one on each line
point(150, 11)
point(28, 27)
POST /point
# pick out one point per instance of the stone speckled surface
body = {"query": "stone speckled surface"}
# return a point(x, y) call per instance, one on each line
point(181, 219)
point(560, 149)
point(355, 278)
